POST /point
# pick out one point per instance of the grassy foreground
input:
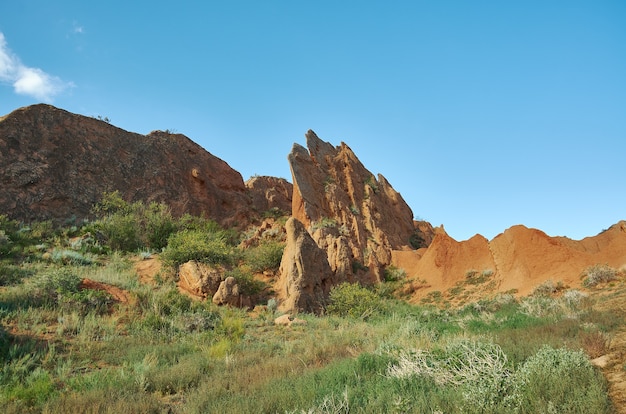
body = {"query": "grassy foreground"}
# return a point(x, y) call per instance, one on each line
point(73, 350)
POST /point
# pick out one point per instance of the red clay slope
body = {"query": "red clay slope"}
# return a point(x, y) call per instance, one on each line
point(520, 258)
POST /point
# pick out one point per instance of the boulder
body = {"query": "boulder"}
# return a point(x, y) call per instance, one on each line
point(288, 320)
point(228, 293)
point(305, 275)
point(198, 279)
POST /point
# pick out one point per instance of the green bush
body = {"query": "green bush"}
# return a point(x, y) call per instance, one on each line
point(394, 274)
point(129, 227)
point(61, 287)
point(197, 245)
point(158, 225)
point(559, 380)
point(265, 256)
point(121, 231)
point(354, 300)
point(248, 285)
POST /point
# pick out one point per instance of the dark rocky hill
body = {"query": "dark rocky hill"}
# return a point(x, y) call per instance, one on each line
point(55, 165)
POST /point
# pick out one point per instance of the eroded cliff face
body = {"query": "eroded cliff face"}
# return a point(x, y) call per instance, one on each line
point(56, 165)
point(517, 260)
point(357, 218)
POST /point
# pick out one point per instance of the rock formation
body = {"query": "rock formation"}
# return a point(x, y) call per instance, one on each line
point(228, 293)
point(356, 218)
point(517, 260)
point(306, 277)
point(199, 280)
point(269, 193)
point(56, 165)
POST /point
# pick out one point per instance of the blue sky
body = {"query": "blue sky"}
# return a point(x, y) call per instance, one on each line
point(482, 114)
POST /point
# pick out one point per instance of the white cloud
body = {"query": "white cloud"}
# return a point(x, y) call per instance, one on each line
point(26, 80)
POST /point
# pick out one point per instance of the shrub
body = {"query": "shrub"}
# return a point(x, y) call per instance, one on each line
point(394, 274)
point(158, 225)
point(479, 368)
point(265, 256)
point(559, 380)
point(50, 286)
point(597, 274)
point(354, 300)
point(61, 287)
point(70, 257)
point(548, 288)
point(128, 227)
point(197, 245)
point(121, 231)
point(248, 285)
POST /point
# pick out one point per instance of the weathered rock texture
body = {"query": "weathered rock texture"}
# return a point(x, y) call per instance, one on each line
point(356, 218)
point(56, 165)
point(269, 193)
point(199, 280)
point(519, 259)
point(228, 293)
point(306, 277)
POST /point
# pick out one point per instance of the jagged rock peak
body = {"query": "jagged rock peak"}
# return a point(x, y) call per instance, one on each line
point(334, 195)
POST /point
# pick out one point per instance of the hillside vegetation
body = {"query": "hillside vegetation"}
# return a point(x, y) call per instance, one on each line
point(81, 333)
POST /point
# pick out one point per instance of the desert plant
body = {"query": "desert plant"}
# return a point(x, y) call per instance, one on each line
point(558, 380)
point(597, 274)
point(324, 222)
point(394, 274)
point(158, 225)
point(479, 368)
point(197, 245)
point(265, 256)
point(248, 285)
point(354, 300)
point(70, 257)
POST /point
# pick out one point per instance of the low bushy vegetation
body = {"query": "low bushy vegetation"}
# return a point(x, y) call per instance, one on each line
point(65, 348)
point(597, 274)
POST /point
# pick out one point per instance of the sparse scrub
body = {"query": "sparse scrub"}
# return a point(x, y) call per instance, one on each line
point(394, 274)
point(264, 257)
point(597, 274)
point(354, 300)
point(248, 285)
point(197, 245)
point(324, 222)
point(559, 380)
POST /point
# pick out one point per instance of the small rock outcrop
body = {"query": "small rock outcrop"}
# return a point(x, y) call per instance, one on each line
point(288, 320)
point(228, 293)
point(270, 194)
point(306, 276)
point(56, 165)
point(357, 218)
point(199, 280)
